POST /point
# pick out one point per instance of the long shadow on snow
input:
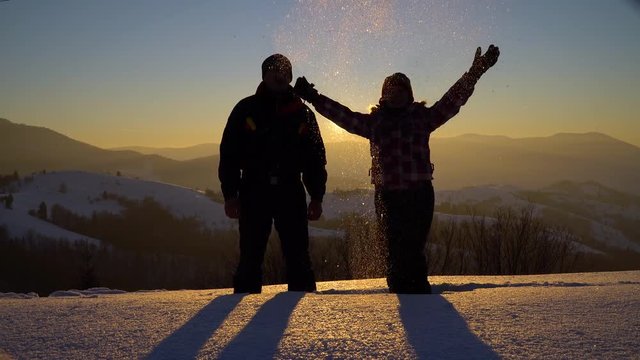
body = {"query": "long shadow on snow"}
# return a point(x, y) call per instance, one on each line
point(186, 342)
point(254, 341)
point(436, 330)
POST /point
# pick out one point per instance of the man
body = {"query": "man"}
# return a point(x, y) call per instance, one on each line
point(270, 139)
point(398, 130)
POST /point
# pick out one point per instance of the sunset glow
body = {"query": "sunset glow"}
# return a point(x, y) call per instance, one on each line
point(159, 73)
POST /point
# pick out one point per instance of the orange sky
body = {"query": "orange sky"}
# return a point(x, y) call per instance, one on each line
point(168, 74)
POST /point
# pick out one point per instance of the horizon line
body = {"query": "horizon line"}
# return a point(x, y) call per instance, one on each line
point(179, 147)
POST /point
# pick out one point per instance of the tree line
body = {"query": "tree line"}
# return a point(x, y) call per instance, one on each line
point(145, 246)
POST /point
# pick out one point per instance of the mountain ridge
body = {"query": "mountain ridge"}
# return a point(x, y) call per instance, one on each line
point(175, 153)
point(465, 160)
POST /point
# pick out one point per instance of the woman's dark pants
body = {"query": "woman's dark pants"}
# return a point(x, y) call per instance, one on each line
point(404, 219)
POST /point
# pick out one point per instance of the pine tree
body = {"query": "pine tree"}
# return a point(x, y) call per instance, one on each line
point(42, 211)
point(8, 202)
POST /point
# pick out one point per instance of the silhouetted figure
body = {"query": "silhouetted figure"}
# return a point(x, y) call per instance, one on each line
point(398, 130)
point(270, 139)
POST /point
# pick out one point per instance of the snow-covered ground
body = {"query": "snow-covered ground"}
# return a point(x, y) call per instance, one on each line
point(81, 192)
point(587, 198)
point(503, 194)
point(20, 224)
point(575, 316)
point(359, 202)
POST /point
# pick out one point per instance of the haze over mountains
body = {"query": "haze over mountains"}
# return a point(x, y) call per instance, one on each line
point(603, 219)
point(176, 153)
point(584, 183)
point(28, 149)
point(467, 160)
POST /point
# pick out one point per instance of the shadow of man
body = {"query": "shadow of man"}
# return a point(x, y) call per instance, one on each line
point(262, 335)
point(186, 342)
point(436, 330)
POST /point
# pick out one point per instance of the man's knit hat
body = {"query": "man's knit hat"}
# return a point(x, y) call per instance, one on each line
point(397, 79)
point(278, 63)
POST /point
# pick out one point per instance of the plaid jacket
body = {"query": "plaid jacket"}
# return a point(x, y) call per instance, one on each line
point(399, 140)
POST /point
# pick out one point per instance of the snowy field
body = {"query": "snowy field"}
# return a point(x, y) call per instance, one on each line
point(83, 191)
point(82, 194)
point(576, 316)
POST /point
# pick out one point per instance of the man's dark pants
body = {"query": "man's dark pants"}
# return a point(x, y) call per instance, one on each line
point(284, 206)
point(404, 219)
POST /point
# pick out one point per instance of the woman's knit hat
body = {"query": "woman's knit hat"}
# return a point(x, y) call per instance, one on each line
point(397, 79)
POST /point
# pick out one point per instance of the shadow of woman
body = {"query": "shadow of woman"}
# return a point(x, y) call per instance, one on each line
point(186, 342)
point(262, 335)
point(436, 330)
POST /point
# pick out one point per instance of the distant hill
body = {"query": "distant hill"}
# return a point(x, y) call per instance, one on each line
point(176, 153)
point(30, 149)
point(467, 160)
point(82, 195)
point(605, 220)
point(535, 162)
point(474, 160)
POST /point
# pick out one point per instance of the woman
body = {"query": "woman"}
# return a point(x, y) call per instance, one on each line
point(398, 130)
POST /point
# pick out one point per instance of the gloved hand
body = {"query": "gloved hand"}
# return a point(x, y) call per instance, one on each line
point(315, 210)
point(232, 208)
point(305, 90)
point(482, 63)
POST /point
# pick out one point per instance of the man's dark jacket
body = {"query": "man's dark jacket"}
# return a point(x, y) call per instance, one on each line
point(272, 140)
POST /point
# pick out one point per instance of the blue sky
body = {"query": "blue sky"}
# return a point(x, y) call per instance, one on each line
point(167, 73)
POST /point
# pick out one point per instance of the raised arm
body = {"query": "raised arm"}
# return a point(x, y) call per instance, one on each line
point(449, 105)
point(354, 122)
